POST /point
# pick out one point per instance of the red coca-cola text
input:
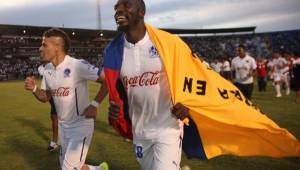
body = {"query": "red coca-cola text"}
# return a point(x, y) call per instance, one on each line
point(61, 92)
point(145, 79)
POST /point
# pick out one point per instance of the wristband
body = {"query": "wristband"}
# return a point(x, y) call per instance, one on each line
point(94, 103)
point(34, 89)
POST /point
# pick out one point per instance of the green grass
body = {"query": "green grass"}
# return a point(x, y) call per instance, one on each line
point(25, 133)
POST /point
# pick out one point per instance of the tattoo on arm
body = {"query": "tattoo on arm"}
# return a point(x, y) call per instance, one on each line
point(42, 95)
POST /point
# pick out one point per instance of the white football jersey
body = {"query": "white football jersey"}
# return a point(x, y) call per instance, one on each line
point(148, 92)
point(67, 83)
point(243, 68)
point(280, 65)
point(226, 66)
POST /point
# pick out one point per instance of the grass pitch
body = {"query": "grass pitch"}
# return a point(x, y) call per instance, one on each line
point(25, 133)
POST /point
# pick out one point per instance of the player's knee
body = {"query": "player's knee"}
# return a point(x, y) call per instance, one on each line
point(66, 165)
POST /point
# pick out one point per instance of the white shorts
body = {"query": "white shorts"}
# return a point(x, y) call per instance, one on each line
point(277, 77)
point(161, 154)
point(75, 143)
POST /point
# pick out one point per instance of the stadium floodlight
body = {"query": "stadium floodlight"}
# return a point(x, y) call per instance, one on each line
point(24, 31)
point(98, 5)
point(101, 34)
point(73, 33)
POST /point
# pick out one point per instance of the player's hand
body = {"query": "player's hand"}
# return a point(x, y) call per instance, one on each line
point(113, 110)
point(30, 83)
point(90, 112)
point(180, 111)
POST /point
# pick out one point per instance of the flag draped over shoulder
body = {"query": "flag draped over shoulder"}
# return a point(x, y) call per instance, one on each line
point(222, 120)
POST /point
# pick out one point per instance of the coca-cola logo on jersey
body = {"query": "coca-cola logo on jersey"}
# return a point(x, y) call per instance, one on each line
point(61, 92)
point(145, 79)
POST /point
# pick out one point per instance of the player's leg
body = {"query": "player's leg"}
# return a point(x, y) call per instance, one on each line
point(77, 148)
point(260, 83)
point(277, 81)
point(54, 127)
point(63, 144)
point(286, 82)
point(54, 123)
point(249, 90)
point(167, 153)
point(240, 87)
point(144, 153)
point(265, 81)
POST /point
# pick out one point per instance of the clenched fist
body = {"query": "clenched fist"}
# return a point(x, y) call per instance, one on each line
point(30, 83)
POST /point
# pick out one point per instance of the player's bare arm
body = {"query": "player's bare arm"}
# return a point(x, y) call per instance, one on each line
point(101, 78)
point(91, 110)
point(41, 95)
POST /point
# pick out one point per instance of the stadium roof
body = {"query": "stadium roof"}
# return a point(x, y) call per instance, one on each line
point(91, 34)
point(211, 31)
point(74, 33)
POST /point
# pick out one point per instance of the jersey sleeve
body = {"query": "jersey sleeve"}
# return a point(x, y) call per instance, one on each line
point(233, 65)
point(43, 84)
point(253, 64)
point(88, 71)
point(41, 70)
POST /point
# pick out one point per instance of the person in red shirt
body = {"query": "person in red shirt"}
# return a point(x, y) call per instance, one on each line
point(261, 74)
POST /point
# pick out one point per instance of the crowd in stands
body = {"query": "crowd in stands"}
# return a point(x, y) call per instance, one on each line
point(17, 68)
point(211, 48)
point(258, 45)
point(19, 56)
point(21, 68)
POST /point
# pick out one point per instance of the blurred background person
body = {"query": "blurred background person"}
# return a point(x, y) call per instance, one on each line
point(261, 74)
point(226, 69)
point(245, 68)
point(295, 77)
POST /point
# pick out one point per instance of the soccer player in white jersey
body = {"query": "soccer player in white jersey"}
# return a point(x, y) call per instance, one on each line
point(65, 80)
point(280, 70)
point(157, 136)
point(245, 68)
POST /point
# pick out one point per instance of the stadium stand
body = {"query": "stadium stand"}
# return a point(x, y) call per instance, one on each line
point(19, 48)
point(258, 45)
point(19, 56)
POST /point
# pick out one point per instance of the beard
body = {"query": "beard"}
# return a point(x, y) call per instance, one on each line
point(123, 28)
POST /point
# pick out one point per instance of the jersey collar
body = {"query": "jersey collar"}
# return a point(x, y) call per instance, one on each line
point(139, 43)
point(61, 65)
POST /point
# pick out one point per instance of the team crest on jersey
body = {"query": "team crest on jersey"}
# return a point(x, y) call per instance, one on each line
point(67, 73)
point(153, 52)
point(49, 72)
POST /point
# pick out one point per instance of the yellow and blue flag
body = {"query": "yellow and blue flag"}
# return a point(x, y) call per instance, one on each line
point(222, 120)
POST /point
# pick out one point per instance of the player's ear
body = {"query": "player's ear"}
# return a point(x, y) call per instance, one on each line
point(141, 13)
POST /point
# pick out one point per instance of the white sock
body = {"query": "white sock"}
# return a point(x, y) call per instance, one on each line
point(288, 91)
point(277, 89)
point(94, 167)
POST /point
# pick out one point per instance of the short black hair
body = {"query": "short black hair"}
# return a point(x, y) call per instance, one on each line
point(242, 46)
point(142, 5)
point(56, 32)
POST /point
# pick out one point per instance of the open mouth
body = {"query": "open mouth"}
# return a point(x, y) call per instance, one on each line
point(120, 19)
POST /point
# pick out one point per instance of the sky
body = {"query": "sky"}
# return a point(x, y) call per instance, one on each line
point(267, 15)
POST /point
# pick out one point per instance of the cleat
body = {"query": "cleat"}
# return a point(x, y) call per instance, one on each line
point(52, 146)
point(127, 140)
point(104, 166)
